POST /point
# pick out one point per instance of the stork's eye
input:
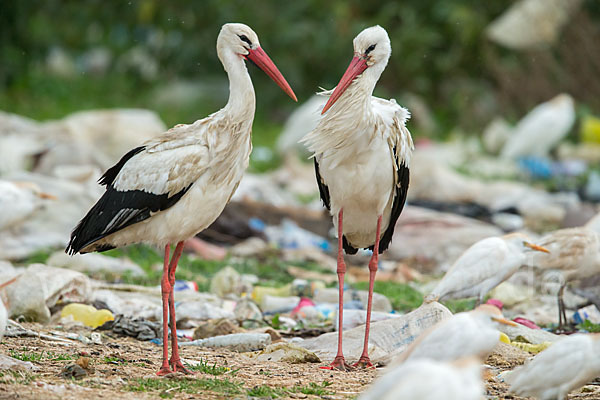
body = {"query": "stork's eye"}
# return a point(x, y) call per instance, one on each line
point(370, 49)
point(244, 38)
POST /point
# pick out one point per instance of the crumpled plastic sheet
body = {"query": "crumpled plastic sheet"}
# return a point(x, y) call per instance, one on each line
point(139, 328)
point(387, 338)
point(41, 287)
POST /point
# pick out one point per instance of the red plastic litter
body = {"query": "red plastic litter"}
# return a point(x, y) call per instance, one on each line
point(304, 301)
point(495, 302)
point(526, 322)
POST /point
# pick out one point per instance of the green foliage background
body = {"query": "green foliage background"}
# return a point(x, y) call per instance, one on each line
point(440, 53)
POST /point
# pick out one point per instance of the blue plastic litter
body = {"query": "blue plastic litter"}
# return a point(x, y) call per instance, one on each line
point(536, 167)
point(257, 224)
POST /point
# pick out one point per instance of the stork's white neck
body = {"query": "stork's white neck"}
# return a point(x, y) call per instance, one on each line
point(355, 102)
point(242, 101)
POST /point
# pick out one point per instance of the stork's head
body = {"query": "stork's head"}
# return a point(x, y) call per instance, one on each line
point(372, 50)
point(243, 42)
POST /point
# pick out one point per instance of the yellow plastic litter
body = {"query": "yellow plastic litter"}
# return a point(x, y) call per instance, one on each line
point(532, 348)
point(88, 315)
point(504, 338)
point(590, 129)
point(260, 291)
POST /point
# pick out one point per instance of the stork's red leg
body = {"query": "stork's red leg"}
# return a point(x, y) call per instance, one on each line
point(364, 360)
point(166, 290)
point(339, 362)
point(175, 360)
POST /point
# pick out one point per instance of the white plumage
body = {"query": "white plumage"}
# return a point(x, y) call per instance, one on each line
point(357, 162)
point(566, 365)
point(189, 170)
point(482, 267)
point(362, 150)
point(199, 155)
point(542, 128)
point(429, 380)
point(178, 183)
point(464, 334)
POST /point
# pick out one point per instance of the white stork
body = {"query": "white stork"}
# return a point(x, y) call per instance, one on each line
point(361, 151)
point(177, 184)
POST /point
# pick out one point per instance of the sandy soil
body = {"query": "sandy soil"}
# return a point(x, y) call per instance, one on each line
point(118, 365)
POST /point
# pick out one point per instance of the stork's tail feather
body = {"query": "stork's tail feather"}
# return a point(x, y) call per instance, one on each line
point(384, 243)
point(348, 248)
point(76, 243)
point(430, 298)
point(86, 232)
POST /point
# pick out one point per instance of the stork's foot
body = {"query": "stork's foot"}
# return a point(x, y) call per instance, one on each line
point(178, 366)
point(363, 363)
point(339, 363)
point(165, 370)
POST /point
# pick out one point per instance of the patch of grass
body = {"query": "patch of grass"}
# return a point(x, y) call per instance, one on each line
point(25, 355)
point(270, 269)
point(40, 256)
point(143, 255)
point(266, 391)
point(402, 296)
point(589, 326)
point(21, 377)
point(315, 388)
point(190, 386)
point(459, 305)
point(213, 369)
point(275, 323)
point(115, 360)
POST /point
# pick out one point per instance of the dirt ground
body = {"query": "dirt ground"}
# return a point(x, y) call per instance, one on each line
point(123, 367)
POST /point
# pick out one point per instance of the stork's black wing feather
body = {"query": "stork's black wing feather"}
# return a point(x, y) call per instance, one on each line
point(348, 248)
point(324, 192)
point(116, 210)
point(323, 189)
point(109, 176)
point(399, 201)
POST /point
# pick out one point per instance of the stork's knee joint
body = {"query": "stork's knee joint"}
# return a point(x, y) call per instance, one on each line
point(165, 286)
point(373, 264)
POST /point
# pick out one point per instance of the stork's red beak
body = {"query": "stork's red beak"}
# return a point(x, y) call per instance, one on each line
point(356, 67)
point(262, 60)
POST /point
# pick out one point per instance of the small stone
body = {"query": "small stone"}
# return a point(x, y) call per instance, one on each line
point(216, 327)
point(287, 352)
point(83, 362)
point(73, 371)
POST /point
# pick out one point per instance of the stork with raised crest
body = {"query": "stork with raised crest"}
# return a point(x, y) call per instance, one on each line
point(177, 184)
point(361, 152)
